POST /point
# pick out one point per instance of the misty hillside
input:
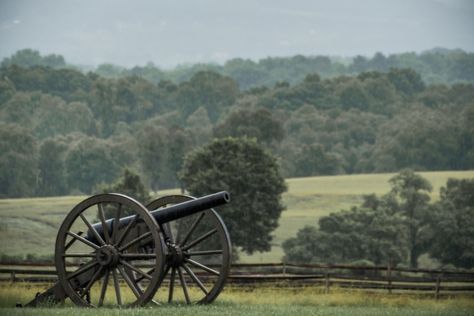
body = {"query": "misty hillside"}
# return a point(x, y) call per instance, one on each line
point(366, 116)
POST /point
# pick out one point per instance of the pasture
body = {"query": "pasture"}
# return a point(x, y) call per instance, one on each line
point(29, 226)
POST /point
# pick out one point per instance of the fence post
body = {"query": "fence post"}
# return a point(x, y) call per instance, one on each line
point(12, 276)
point(284, 268)
point(326, 282)
point(389, 277)
point(438, 283)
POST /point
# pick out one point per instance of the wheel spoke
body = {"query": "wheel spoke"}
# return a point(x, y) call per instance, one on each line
point(131, 243)
point(205, 253)
point(71, 242)
point(184, 285)
point(127, 229)
point(104, 288)
point(125, 276)
point(195, 278)
point(92, 229)
point(92, 280)
point(200, 239)
point(193, 227)
point(137, 270)
point(117, 287)
point(83, 240)
point(171, 288)
point(151, 271)
point(201, 266)
point(82, 269)
point(105, 228)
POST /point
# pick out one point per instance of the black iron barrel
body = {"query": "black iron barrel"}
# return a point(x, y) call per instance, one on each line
point(170, 213)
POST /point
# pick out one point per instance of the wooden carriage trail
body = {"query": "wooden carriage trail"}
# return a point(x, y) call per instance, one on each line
point(379, 278)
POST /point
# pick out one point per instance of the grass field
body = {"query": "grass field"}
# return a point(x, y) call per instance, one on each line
point(263, 301)
point(29, 226)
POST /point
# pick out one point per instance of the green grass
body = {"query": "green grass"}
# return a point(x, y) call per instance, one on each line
point(33, 223)
point(263, 301)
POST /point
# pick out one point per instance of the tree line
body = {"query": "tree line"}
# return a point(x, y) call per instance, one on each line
point(63, 131)
point(436, 66)
point(396, 228)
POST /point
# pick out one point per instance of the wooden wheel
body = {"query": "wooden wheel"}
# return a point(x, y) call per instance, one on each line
point(89, 257)
point(198, 255)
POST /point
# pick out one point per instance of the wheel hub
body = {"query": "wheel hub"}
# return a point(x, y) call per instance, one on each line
point(176, 255)
point(108, 255)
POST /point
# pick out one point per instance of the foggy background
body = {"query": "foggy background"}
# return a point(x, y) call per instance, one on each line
point(168, 33)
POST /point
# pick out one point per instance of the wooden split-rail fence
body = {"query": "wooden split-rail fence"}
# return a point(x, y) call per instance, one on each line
point(378, 278)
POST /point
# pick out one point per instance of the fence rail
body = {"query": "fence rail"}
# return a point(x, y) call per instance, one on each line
point(384, 278)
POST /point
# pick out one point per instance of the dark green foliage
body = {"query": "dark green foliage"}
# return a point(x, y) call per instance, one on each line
point(406, 81)
point(251, 176)
point(453, 224)
point(89, 163)
point(392, 229)
point(258, 124)
point(411, 193)
point(208, 89)
point(7, 90)
point(52, 170)
point(359, 234)
point(18, 164)
point(313, 160)
point(29, 58)
point(161, 152)
point(347, 236)
point(129, 184)
point(318, 122)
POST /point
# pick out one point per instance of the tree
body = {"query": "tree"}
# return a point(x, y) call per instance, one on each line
point(313, 160)
point(28, 58)
point(259, 124)
point(7, 90)
point(251, 176)
point(51, 167)
point(406, 81)
point(130, 184)
point(361, 233)
point(352, 95)
point(161, 153)
point(420, 138)
point(18, 161)
point(208, 89)
point(411, 193)
point(89, 163)
point(453, 224)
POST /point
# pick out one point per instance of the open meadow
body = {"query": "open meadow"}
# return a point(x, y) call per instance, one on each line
point(29, 226)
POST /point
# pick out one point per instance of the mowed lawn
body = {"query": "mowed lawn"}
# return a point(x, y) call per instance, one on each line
point(29, 226)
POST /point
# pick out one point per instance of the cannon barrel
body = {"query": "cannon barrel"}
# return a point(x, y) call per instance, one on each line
point(170, 213)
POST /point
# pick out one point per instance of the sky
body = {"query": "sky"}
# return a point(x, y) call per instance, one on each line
point(174, 32)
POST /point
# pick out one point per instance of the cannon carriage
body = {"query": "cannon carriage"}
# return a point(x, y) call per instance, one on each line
point(113, 251)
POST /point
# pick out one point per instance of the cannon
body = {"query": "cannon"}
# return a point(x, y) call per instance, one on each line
point(113, 251)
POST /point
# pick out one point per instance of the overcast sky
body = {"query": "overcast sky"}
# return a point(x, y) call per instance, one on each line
point(170, 32)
